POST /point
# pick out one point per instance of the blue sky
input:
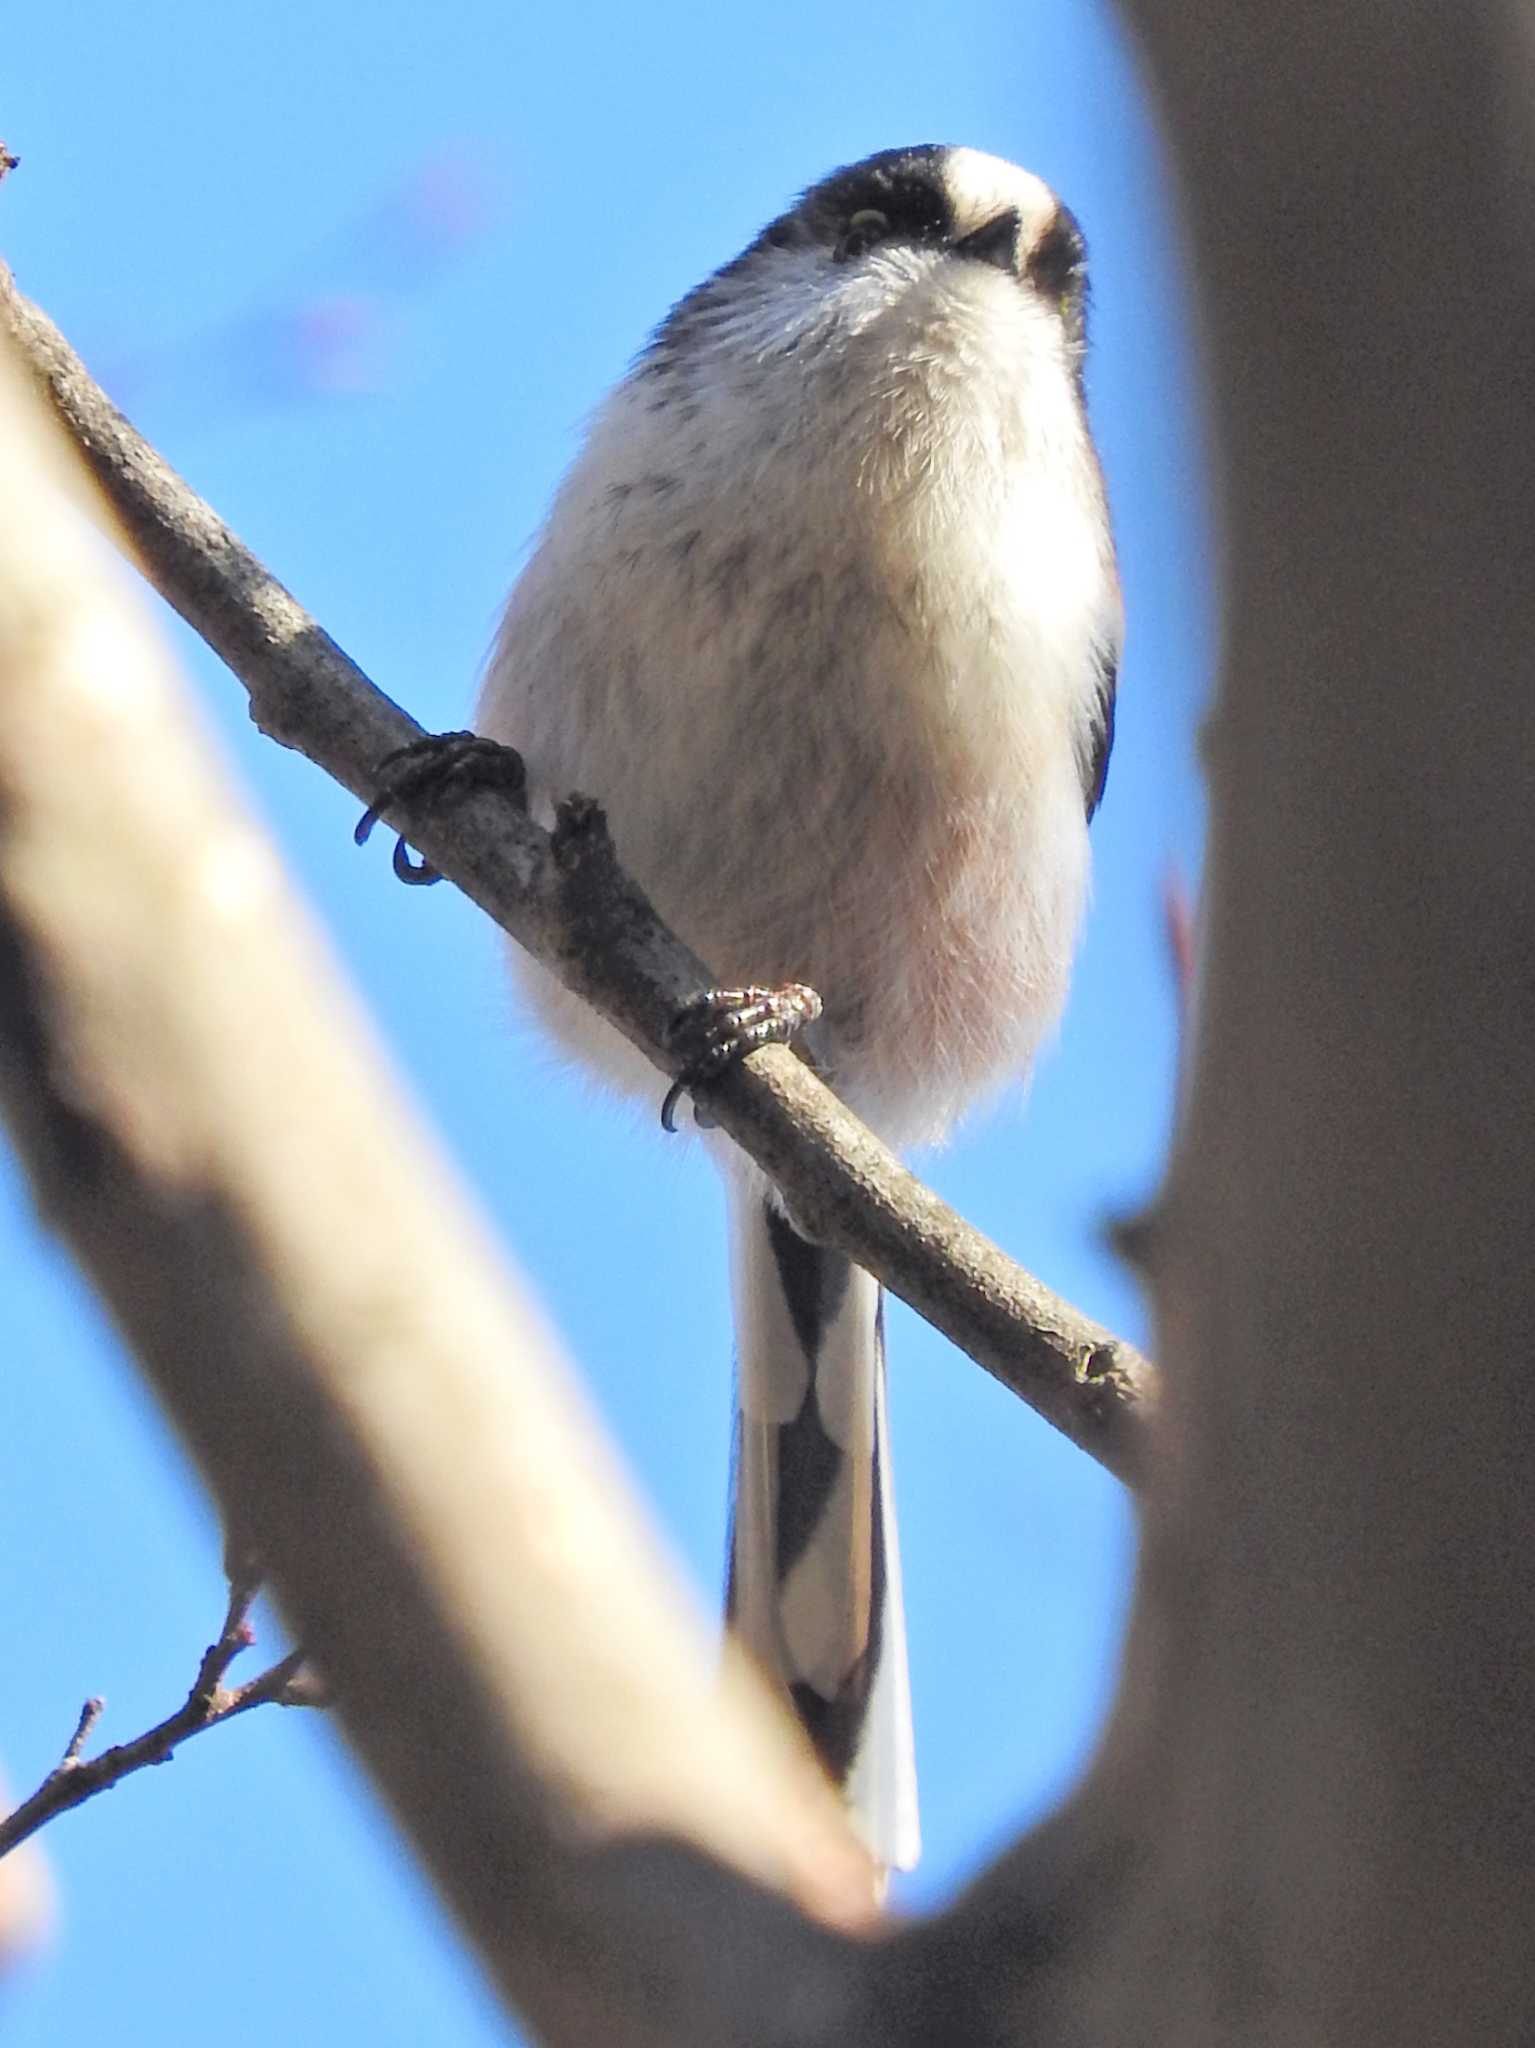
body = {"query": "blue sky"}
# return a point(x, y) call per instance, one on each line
point(360, 272)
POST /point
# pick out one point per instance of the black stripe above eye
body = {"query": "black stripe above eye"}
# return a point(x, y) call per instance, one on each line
point(905, 185)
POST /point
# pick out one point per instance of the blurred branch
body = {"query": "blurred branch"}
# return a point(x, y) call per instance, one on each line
point(204, 1118)
point(210, 1702)
point(26, 1901)
point(569, 902)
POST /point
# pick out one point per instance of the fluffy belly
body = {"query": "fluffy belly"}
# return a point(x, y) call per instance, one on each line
point(937, 927)
point(863, 778)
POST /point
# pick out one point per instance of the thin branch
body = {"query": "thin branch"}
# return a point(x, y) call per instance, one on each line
point(567, 900)
point(210, 1702)
point(90, 1714)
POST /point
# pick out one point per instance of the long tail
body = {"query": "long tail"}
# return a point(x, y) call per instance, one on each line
point(815, 1574)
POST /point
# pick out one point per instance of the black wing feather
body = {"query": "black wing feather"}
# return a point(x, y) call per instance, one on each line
point(1102, 731)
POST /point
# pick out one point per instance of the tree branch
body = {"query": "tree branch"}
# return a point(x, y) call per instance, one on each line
point(210, 1702)
point(384, 1421)
point(569, 902)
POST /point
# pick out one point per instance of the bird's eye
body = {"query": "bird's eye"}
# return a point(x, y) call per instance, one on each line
point(866, 227)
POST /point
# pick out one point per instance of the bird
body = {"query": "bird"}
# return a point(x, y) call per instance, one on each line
point(826, 615)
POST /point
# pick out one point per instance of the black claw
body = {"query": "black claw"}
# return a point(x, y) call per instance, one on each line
point(432, 772)
point(725, 1024)
point(674, 1095)
point(416, 874)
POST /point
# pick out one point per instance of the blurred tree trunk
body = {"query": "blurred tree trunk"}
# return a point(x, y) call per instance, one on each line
point(1315, 1819)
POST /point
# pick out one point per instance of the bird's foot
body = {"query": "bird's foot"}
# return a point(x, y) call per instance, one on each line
point(723, 1025)
point(433, 772)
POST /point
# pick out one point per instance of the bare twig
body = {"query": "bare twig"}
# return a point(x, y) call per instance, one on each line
point(77, 1778)
point(566, 898)
point(90, 1714)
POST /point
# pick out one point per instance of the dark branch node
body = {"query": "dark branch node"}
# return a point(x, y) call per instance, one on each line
point(580, 832)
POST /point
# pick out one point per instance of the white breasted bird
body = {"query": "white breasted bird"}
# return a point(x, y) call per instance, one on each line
point(825, 615)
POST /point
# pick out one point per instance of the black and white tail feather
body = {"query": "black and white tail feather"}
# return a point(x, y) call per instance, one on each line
point(826, 615)
point(814, 1570)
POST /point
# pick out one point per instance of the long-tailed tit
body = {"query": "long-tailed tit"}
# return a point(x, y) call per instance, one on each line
point(825, 614)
